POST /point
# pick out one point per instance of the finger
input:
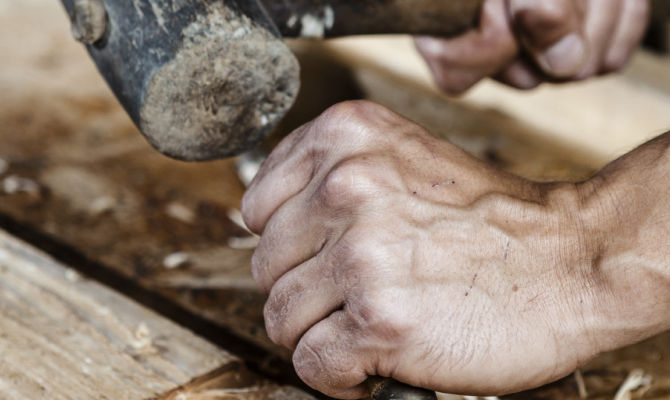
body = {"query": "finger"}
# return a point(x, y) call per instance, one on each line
point(285, 173)
point(629, 32)
point(521, 75)
point(301, 298)
point(551, 31)
point(459, 63)
point(328, 359)
point(294, 234)
point(342, 129)
point(600, 23)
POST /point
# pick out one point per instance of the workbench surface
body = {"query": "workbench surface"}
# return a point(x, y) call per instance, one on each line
point(79, 176)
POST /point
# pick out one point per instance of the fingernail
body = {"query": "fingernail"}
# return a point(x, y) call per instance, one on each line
point(564, 58)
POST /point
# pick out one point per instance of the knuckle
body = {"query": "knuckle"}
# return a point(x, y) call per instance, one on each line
point(379, 314)
point(355, 120)
point(322, 366)
point(554, 13)
point(544, 20)
point(274, 324)
point(348, 183)
point(279, 314)
point(362, 252)
point(354, 110)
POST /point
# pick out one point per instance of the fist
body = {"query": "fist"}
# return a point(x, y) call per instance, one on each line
point(387, 252)
point(525, 42)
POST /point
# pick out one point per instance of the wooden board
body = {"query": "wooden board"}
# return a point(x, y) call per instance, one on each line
point(66, 337)
point(98, 188)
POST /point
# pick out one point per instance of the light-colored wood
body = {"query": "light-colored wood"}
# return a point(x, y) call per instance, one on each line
point(106, 194)
point(65, 337)
point(604, 117)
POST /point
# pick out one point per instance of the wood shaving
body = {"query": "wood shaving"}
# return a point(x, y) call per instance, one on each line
point(248, 165)
point(235, 216)
point(176, 260)
point(244, 243)
point(636, 380)
point(142, 338)
point(581, 385)
point(14, 184)
point(315, 26)
point(218, 394)
point(180, 212)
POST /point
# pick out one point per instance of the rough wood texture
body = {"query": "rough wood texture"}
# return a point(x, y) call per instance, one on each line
point(64, 337)
point(99, 188)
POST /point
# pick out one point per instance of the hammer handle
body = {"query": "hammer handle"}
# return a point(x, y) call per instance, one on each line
point(304, 18)
point(389, 389)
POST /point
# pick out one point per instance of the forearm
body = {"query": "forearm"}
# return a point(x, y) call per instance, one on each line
point(626, 209)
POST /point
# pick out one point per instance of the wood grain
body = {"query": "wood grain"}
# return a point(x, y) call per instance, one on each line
point(60, 128)
point(65, 337)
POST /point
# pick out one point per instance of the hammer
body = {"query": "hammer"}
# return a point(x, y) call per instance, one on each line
point(209, 79)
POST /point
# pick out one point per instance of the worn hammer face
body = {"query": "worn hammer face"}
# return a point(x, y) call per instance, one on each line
point(228, 85)
point(202, 79)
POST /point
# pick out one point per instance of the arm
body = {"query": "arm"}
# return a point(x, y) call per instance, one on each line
point(627, 208)
point(526, 42)
point(388, 252)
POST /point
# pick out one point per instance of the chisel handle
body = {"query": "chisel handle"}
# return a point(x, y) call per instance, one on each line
point(389, 389)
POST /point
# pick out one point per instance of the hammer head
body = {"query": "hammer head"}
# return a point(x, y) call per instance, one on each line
point(201, 79)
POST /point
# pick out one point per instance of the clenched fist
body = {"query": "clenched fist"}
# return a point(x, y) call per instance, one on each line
point(388, 252)
point(525, 42)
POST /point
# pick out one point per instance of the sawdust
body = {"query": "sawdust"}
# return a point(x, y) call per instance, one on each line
point(89, 193)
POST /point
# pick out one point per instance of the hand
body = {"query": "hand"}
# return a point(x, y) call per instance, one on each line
point(525, 42)
point(389, 252)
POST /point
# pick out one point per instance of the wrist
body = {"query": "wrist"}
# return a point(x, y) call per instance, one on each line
point(630, 287)
point(577, 246)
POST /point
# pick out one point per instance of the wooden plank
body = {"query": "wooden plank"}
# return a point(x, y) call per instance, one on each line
point(97, 187)
point(64, 337)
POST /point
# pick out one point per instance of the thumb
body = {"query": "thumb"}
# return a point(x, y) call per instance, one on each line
point(551, 32)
